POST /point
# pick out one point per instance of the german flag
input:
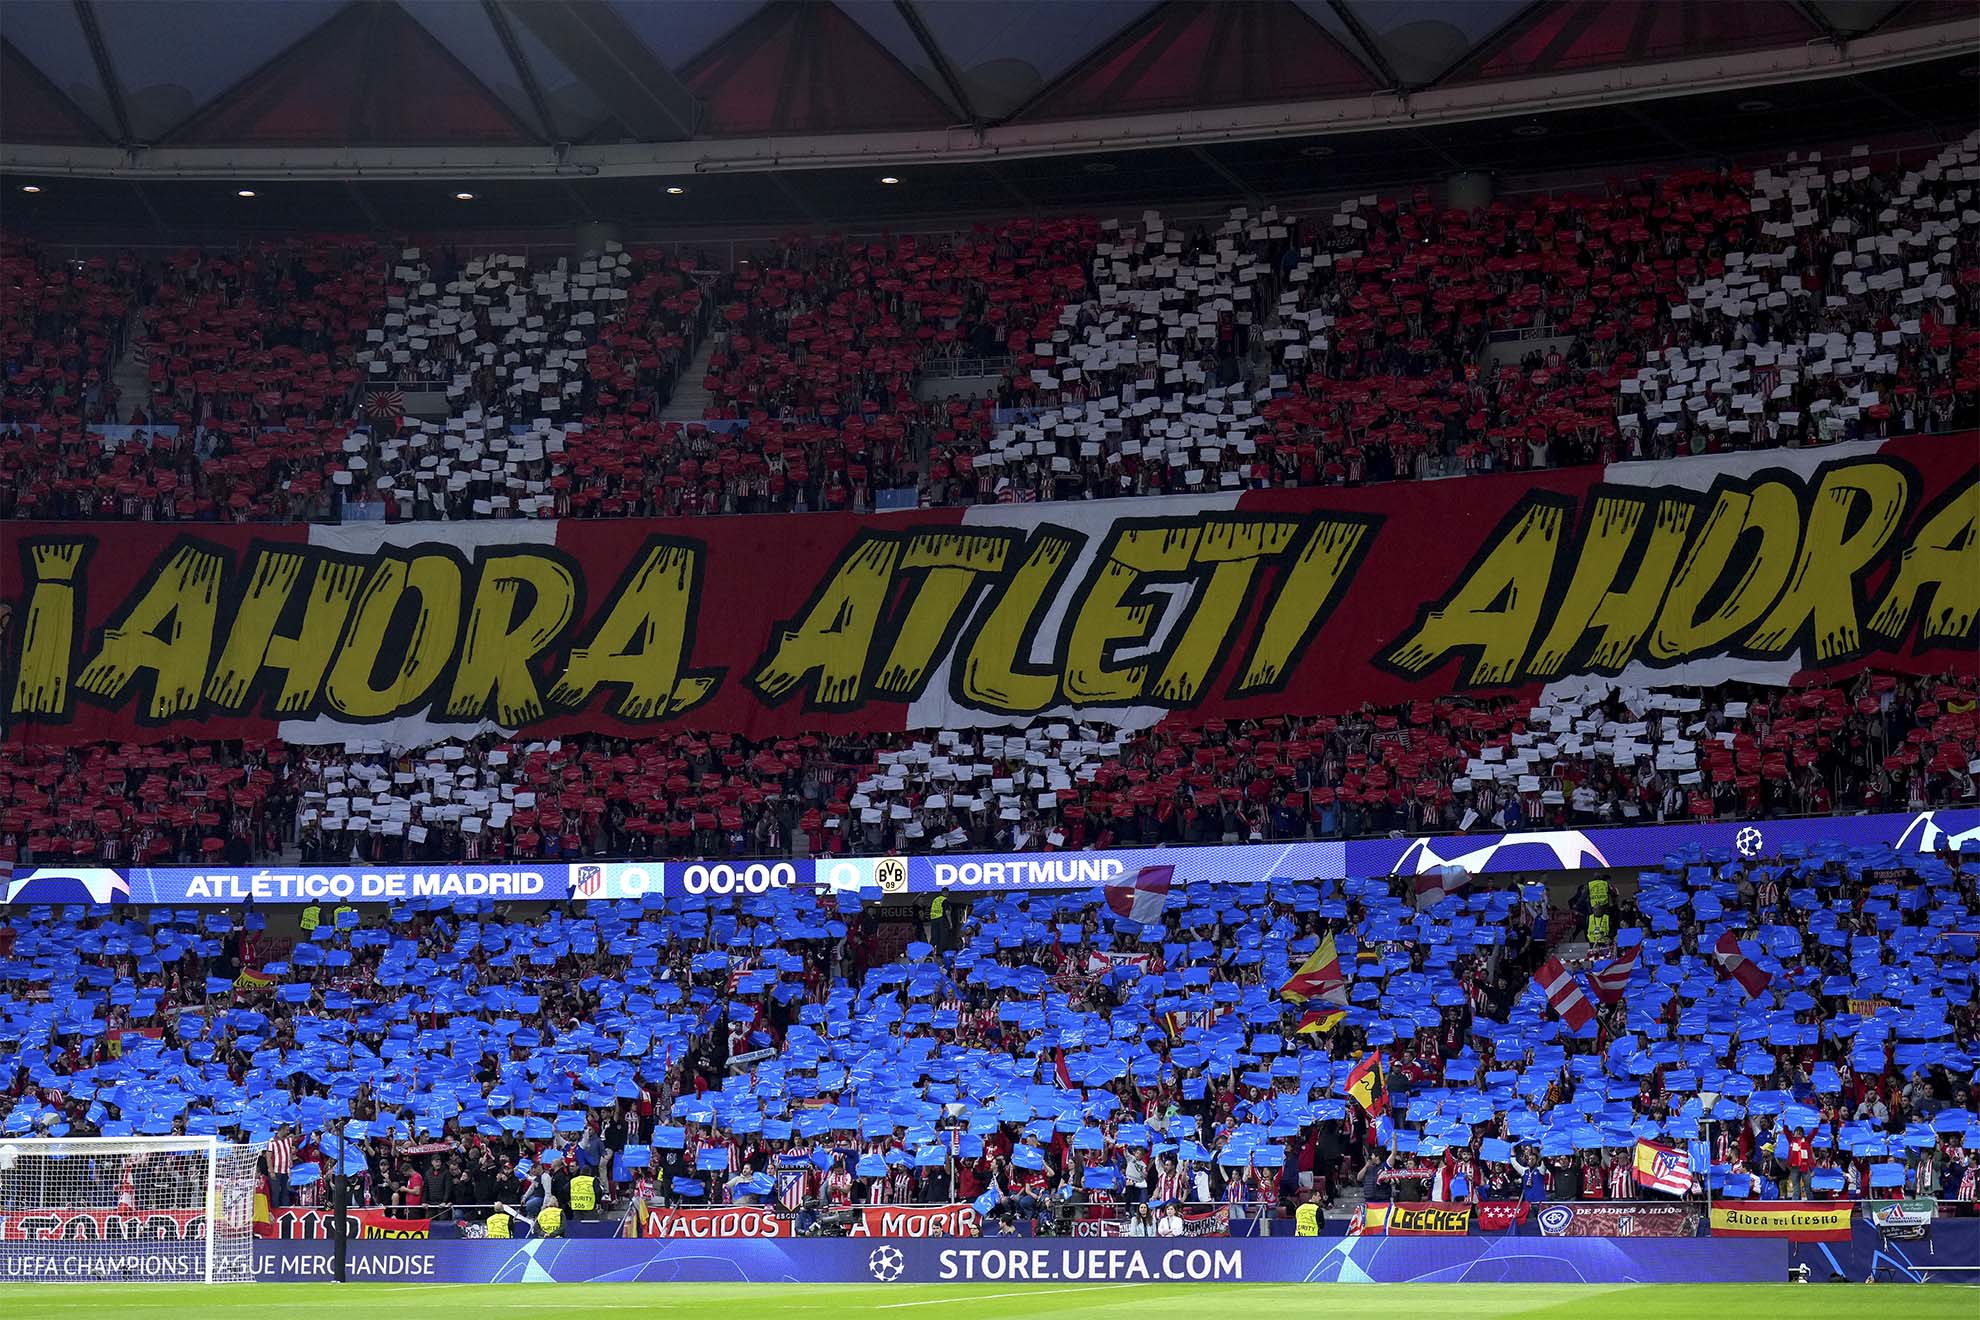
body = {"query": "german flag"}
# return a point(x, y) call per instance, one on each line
point(1317, 975)
point(1368, 1087)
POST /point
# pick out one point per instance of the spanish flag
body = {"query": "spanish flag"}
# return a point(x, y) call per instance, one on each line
point(250, 979)
point(1368, 1087)
point(1317, 975)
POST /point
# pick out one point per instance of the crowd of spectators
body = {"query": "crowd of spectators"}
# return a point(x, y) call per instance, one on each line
point(1685, 312)
point(61, 325)
point(1034, 1053)
point(1702, 311)
point(1611, 756)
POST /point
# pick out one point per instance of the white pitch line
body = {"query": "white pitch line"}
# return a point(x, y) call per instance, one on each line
point(984, 1297)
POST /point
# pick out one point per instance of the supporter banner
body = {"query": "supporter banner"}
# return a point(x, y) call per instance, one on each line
point(1065, 1260)
point(1798, 1221)
point(1195, 1223)
point(1410, 1219)
point(71, 1225)
point(1248, 604)
point(881, 877)
point(298, 1222)
point(1498, 1216)
point(751, 1221)
point(1565, 1219)
point(1903, 1220)
point(909, 1221)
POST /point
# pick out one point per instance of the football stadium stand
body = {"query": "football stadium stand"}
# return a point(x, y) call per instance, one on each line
point(1360, 711)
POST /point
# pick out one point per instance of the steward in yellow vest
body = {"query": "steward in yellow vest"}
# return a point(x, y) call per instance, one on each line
point(1306, 1221)
point(584, 1194)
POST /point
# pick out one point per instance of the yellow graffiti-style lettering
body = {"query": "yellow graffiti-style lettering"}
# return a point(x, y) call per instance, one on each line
point(1233, 549)
point(253, 645)
point(835, 634)
point(992, 676)
point(1939, 563)
point(951, 564)
point(497, 647)
point(411, 656)
point(1857, 511)
point(1494, 611)
point(169, 631)
point(1316, 574)
point(1113, 615)
point(1773, 516)
point(48, 637)
point(1594, 604)
point(642, 644)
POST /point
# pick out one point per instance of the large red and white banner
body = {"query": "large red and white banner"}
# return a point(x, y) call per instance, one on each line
point(1257, 603)
point(50, 1224)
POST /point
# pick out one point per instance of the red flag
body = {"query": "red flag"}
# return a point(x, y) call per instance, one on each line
point(1739, 967)
point(1610, 979)
point(1142, 896)
point(1433, 887)
point(1059, 1067)
point(1320, 973)
point(1564, 994)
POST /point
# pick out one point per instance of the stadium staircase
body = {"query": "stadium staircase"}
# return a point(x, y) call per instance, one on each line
point(691, 394)
point(131, 376)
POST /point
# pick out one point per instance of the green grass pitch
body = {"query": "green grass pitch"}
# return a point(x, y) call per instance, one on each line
point(1134, 1301)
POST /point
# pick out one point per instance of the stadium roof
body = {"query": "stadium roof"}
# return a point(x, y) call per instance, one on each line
point(568, 90)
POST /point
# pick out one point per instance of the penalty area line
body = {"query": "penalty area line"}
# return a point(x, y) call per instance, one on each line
point(984, 1297)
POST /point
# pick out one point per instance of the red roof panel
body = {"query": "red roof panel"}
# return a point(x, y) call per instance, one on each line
point(1580, 35)
point(807, 68)
point(371, 76)
point(34, 109)
point(1189, 54)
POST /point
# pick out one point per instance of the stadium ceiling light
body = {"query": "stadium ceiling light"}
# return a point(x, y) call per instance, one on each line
point(1755, 105)
point(675, 190)
point(889, 179)
point(30, 187)
point(245, 192)
point(1319, 152)
point(1530, 130)
point(463, 196)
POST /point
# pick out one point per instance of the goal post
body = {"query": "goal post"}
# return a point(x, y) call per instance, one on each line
point(127, 1209)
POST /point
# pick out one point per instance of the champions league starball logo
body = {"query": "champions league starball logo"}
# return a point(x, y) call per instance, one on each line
point(1570, 850)
point(886, 1264)
point(1748, 842)
point(65, 884)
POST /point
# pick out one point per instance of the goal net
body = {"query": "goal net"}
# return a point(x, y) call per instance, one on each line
point(117, 1209)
